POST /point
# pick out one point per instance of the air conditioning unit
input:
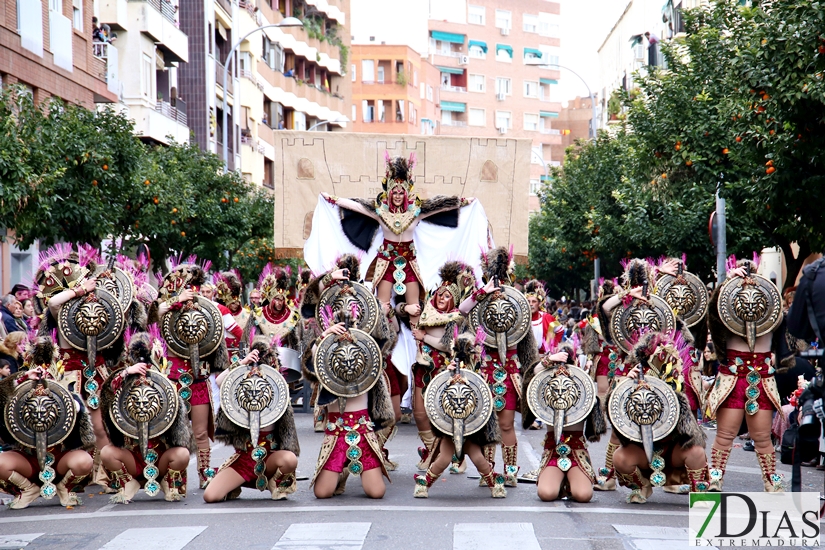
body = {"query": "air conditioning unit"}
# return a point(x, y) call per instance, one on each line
point(502, 130)
point(464, 60)
point(505, 31)
point(501, 96)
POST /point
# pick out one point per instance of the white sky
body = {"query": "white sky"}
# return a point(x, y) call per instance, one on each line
point(584, 26)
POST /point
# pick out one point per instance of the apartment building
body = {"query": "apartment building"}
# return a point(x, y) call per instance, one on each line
point(626, 51)
point(278, 78)
point(394, 91)
point(574, 124)
point(46, 46)
point(143, 52)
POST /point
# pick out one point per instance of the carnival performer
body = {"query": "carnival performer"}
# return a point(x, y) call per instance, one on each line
point(269, 462)
point(547, 331)
point(35, 393)
point(503, 305)
point(277, 318)
point(565, 469)
point(228, 290)
point(434, 333)
point(464, 360)
point(747, 328)
point(676, 459)
point(166, 455)
point(346, 303)
point(397, 211)
point(191, 360)
point(612, 365)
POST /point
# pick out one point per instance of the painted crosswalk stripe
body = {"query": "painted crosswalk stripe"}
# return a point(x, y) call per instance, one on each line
point(324, 536)
point(482, 536)
point(158, 538)
point(646, 537)
point(17, 541)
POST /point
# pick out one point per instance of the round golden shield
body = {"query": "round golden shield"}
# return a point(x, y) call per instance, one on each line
point(626, 323)
point(198, 322)
point(152, 400)
point(249, 390)
point(118, 283)
point(506, 312)
point(40, 411)
point(633, 405)
point(564, 388)
point(351, 296)
point(348, 365)
point(686, 294)
point(458, 395)
point(750, 301)
point(98, 314)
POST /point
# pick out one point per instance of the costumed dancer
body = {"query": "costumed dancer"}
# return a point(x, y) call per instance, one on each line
point(336, 297)
point(228, 290)
point(747, 326)
point(547, 331)
point(434, 334)
point(662, 444)
point(504, 314)
point(612, 365)
point(459, 405)
point(397, 211)
point(147, 424)
point(49, 430)
point(564, 396)
point(256, 419)
point(193, 329)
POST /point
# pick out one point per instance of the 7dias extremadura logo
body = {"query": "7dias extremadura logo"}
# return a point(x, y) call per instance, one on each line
point(754, 519)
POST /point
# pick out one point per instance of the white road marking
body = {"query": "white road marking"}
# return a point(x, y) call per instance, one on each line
point(481, 536)
point(156, 538)
point(324, 536)
point(18, 541)
point(646, 537)
point(530, 453)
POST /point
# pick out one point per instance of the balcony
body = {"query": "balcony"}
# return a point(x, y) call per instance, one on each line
point(157, 19)
point(454, 123)
point(161, 123)
point(109, 55)
point(550, 131)
point(458, 89)
point(114, 13)
point(226, 7)
point(219, 77)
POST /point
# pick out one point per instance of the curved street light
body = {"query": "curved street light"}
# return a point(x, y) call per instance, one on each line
point(343, 120)
point(287, 22)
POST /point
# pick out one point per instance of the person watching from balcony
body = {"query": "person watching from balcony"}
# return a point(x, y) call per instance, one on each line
point(97, 32)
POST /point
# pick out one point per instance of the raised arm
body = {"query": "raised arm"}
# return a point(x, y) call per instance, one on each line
point(56, 301)
point(462, 201)
point(477, 296)
point(350, 204)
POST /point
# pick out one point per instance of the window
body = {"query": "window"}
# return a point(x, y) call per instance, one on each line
point(548, 25)
point(399, 110)
point(535, 185)
point(477, 83)
point(146, 69)
point(530, 23)
point(478, 117)
point(56, 5)
point(477, 52)
point(531, 88)
point(503, 86)
point(352, 70)
point(367, 70)
point(380, 74)
point(503, 19)
point(503, 120)
point(429, 93)
point(504, 53)
point(368, 111)
point(354, 118)
point(537, 154)
point(415, 78)
point(476, 15)
point(446, 118)
point(531, 121)
point(77, 14)
point(413, 114)
point(381, 117)
point(549, 55)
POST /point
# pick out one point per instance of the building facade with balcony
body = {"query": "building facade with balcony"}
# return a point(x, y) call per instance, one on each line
point(46, 46)
point(278, 78)
point(143, 64)
point(393, 91)
point(494, 61)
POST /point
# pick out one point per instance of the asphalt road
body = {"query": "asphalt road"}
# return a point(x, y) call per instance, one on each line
point(459, 515)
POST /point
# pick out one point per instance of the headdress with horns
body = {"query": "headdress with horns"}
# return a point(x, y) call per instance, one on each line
point(498, 264)
point(184, 273)
point(274, 282)
point(228, 285)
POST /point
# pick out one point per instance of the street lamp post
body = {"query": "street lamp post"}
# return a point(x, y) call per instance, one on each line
point(287, 22)
point(344, 119)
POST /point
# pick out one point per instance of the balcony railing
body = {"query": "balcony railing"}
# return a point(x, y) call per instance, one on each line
point(550, 131)
point(456, 123)
point(226, 6)
point(248, 5)
point(249, 140)
point(449, 53)
point(219, 77)
point(100, 50)
point(174, 113)
point(459, 89)
point(166, 9)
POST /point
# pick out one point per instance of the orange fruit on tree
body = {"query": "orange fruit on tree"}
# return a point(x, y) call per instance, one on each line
point(770, 170)
point(769, 163)
point(146, 182)
point(664, 176)
point(236, 199)
point(725, 151)
point(155, 200)
point(173, 222)
point(689, 162)
point(105, 166)
point(183, 233)
point(738, 139)
point(174, 211)
point(94, 182)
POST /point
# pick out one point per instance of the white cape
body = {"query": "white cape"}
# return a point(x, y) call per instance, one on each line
point(434, 245)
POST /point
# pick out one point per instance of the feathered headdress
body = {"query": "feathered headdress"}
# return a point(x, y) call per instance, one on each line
point(753, 264)
point(664, 354)
point(637, 272)
point(351, 263)
point(535, 289)
point(398, 172)
point(498, 264)
point(228, 285)
point(43, 351)
point(467, 348)
point(274, 282)
point(184, 273)
point(61, 268)
point(450, 273)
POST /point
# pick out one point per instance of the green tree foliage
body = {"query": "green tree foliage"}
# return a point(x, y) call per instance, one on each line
point(74, 175)
point(740, 107)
